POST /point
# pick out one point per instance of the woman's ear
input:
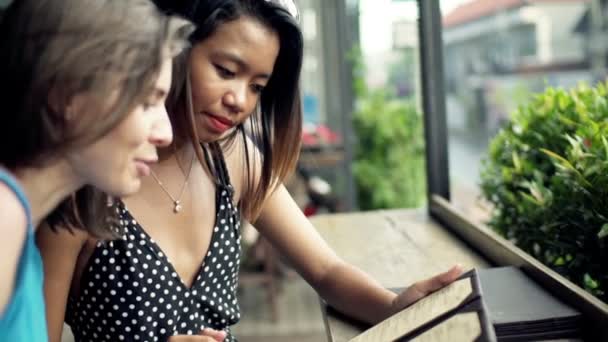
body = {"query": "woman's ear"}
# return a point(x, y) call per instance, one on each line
point(63, 105)
point(57, 101)
point(66, 106)
point(75, 105)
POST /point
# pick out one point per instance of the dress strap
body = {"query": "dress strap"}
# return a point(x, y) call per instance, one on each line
point(214, 152)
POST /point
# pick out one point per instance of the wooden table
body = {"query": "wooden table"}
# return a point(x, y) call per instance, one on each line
point(396, 247)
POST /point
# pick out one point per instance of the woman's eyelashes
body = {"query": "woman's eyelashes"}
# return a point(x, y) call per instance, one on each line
point(151, 104)
point(224, 72)
point(155, 99)
point(257, 88)
point(147, 105)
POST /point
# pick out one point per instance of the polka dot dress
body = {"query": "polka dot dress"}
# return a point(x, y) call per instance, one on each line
point(131, 292)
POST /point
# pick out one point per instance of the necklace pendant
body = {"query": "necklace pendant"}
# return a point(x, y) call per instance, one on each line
point(177, 207)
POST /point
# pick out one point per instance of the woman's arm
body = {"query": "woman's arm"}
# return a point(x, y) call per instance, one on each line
point(343, 286)
point(13, 229)
point(60, 251)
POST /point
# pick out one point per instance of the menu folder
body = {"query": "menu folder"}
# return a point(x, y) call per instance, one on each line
point(453, 313)
point(521, 310)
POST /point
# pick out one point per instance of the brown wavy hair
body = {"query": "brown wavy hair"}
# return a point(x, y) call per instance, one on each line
point(276, 126)
point(52, 50)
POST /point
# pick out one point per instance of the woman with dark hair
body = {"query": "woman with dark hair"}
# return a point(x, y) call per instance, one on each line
point(82, 93)
point(236, 113)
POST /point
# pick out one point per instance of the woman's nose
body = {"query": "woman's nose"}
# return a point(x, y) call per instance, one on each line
point(162, 132)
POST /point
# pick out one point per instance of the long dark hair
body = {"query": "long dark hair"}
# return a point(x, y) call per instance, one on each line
point(52, 50)
point(277, 125)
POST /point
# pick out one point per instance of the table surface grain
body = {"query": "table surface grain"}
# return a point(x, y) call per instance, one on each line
point(396, 247)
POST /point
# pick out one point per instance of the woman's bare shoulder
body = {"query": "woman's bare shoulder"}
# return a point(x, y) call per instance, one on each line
point(13, 218)
point(13, 229)
point(61, 238)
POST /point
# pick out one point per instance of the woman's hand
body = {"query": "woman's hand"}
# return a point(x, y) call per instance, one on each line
point(423, 288)
point(205, 335)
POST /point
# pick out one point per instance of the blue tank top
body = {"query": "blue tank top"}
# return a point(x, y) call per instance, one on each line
point(24, 316)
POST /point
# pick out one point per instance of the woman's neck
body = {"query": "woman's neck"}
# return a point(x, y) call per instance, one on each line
point(179, 149)
point(47, 186)
point(176, 160)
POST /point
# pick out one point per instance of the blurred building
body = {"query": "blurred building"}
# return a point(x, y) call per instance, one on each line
point(498, 51)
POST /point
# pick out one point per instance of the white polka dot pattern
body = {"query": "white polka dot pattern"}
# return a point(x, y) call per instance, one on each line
point(131, 292)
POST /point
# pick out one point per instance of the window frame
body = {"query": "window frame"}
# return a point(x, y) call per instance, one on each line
point(495, 248)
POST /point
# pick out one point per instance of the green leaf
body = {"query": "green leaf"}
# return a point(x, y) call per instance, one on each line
point(603, 232)
point(564, 102)
point(567, 121)
point(605, 143)
point(590, 283)
point(561, 160)
point(516, 161)
point(567, 165)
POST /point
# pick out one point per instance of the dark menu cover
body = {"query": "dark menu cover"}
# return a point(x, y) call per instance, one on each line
point(495, 304)
point(521, 310)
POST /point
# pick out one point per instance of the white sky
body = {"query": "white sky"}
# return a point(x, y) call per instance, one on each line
point(377, 17)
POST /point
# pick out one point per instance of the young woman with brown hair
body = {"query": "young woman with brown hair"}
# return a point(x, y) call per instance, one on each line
point(83, 95)
point(235, 108)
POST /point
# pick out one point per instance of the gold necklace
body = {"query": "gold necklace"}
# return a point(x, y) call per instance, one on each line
point(177, 205)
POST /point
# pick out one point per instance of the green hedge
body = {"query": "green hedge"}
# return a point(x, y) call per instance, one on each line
point(389, 155)
point(546, 175)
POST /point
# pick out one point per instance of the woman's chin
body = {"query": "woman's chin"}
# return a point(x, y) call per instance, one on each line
point(128, 187)
point(209, 138)
point(205, 135)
